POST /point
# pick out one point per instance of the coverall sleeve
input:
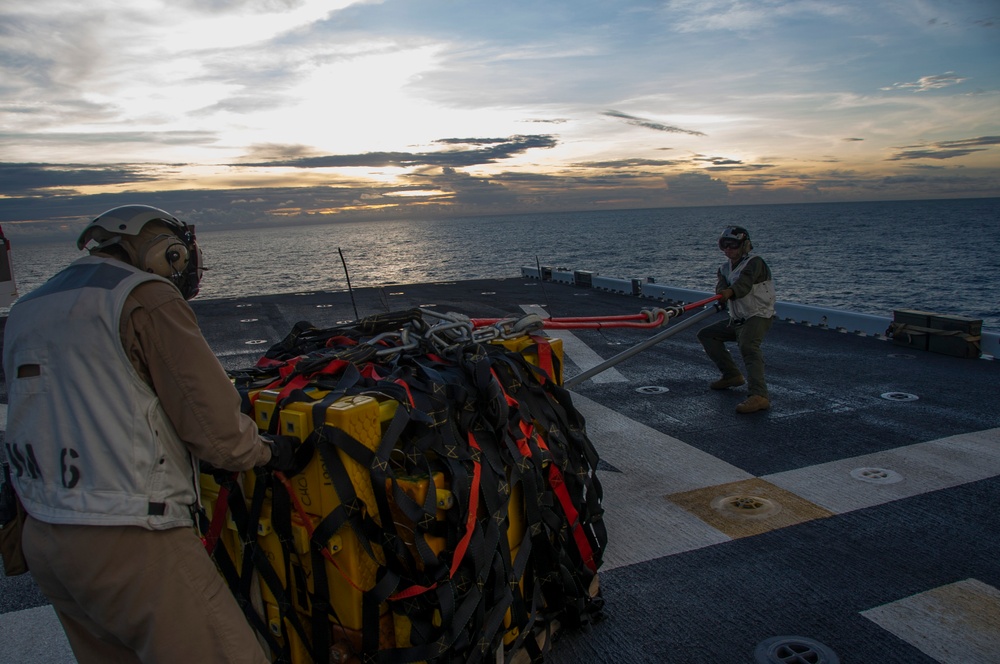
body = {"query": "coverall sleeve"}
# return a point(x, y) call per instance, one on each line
point(720, 284)
point(160, 333)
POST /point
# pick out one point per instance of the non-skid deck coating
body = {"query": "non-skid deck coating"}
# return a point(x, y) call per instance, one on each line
point(851, 515)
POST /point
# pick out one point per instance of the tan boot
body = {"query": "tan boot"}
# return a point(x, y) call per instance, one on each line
point(728, 381)
point(753, 403)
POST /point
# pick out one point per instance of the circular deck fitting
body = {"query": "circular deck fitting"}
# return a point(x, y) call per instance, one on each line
point(489, 292)
point(427, 306)
point(793, 650)
point(902, 356)
point(652, 389)
point(255, 342)
point(899, 396)
point(244, 305)
point(323, 306)
point(746, 507)
point(398, 293)
point(248, 320)
point(876, 475)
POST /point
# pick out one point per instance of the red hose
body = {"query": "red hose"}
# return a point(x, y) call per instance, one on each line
point(598, 322)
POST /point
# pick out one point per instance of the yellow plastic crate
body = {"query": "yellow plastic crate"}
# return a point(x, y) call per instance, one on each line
point(364, 418)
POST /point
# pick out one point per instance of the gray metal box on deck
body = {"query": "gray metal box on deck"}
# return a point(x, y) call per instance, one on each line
point(961, 338)
point(909, 328)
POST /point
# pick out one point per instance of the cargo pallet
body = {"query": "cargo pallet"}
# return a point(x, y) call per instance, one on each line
point(420, 526)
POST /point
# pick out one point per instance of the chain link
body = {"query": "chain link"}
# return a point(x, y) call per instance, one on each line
point(448, 332)
point(452, 331)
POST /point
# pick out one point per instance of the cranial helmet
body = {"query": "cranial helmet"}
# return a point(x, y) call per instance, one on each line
point(736, 234)
point(153, 240)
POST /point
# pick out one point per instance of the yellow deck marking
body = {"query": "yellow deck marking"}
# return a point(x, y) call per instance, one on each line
point(748, 507)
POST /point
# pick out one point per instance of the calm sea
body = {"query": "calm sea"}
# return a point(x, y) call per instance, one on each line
point(871, 258)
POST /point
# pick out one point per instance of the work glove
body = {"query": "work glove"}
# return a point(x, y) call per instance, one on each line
point(282, 452)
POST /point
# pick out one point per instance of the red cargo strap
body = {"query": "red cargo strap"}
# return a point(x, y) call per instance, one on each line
point(558, 485)
point(572, 517)
point(211, 538)
point(470, 525)
point(544, 356)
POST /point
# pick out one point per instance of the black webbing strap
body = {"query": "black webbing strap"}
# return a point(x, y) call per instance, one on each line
point(491, 424)
point(240, 582)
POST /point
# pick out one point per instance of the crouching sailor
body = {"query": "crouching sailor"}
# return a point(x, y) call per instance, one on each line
point(113, 396)
point(745, 283)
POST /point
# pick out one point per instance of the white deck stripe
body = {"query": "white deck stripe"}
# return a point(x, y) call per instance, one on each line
point(582, 354)
point(643, 525)
point(924, 467)
point(955, 624)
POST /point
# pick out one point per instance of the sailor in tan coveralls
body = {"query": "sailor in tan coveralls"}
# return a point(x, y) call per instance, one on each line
point(745, 283)
point(114, 396)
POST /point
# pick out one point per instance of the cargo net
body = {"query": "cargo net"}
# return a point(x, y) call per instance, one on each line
point(444, 505)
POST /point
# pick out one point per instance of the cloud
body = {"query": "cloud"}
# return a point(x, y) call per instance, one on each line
point(279, 152)
point(649, 124)
point(110, 138)
point(496, 149)
point(925, 83)
point(25, 179)
point(692, 188)
point(729, 164)
point(628, 163)
point(946, 149)
point(468, 190)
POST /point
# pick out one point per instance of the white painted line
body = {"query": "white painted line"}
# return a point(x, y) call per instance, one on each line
point(924, 467)
point(955, 624)
point(642, 524)
point(34, 635)
point(654, 460)
point(647, 526)
point(582, 354)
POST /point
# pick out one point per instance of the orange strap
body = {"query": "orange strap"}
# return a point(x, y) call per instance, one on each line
point(211, 538)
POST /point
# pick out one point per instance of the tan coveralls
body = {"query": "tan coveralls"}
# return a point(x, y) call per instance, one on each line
point(128, 594)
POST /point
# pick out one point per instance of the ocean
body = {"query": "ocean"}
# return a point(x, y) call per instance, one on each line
point(870, 257)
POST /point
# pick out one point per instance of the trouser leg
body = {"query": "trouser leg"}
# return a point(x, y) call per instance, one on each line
point(157, 593)
point(713, 338)
point(90, 643)
point(750, 338)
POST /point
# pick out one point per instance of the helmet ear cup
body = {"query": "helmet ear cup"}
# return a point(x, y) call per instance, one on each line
point(165, 255)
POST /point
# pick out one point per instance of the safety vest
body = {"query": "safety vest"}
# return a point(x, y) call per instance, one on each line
point(758, 302)
point(87, 439)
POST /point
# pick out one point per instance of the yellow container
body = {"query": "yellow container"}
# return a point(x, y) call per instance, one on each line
point(522, 344)
point(350, 569)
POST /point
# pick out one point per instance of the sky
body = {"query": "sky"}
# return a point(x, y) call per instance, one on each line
point(265, 112)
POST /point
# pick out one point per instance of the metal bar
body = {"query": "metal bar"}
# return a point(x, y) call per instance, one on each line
point(639, 347)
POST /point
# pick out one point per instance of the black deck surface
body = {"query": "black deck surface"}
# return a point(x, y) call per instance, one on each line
point(715, 602)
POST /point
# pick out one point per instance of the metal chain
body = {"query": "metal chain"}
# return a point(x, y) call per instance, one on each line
point(451, 332)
